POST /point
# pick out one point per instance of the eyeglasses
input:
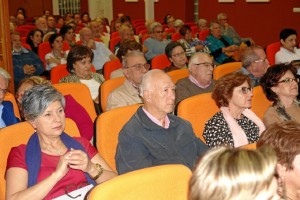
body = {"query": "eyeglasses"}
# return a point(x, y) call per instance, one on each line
point(289, 80)
point(261, 61)
point(3, 91)
point(245, 90)
point(70, 188)
point(206, 64)
point(139, 67)
point(158, 31)
point(179, 54)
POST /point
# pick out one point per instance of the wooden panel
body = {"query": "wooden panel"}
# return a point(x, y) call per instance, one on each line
point(5, 44)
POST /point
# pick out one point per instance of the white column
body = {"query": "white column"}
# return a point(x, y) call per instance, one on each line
point(149, 9)
point(55, 7)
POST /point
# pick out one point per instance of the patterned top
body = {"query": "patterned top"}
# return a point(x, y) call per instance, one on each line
point(217, 132)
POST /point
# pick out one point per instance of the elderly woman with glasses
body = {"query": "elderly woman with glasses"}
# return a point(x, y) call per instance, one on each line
point(156, 44)
point(51, 160)
point(280, 85)
point(79, 64)
point(235, 125)
point(176, 55)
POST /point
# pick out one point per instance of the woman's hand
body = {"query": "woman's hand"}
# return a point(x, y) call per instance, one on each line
point(79, 160)
point(62, 167)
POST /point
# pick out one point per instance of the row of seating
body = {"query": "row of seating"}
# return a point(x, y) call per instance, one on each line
point(197, 110)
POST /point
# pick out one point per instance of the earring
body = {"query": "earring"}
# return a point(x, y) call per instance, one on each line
point(282, 187)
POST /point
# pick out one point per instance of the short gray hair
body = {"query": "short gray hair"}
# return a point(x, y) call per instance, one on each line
point(154, 25)
point(147, 80)
point(134, 53)
point(202, 21)
point(212, 23)
point(5, 74)
point(37, 99)
point(195, 56)
point(249, 55)
point(221, 15)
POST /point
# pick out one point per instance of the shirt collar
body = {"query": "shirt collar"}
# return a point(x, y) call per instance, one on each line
point(193, 80)
point(156, 121)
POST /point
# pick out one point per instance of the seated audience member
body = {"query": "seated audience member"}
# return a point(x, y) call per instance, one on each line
point(169, 20)
point(222, 47)
point(235, 174)
point(59, 160)
point(67, 32)
point(46, 14)
point(34, 39)
point(178, 23)
point(116, 26)
point(25, 62)
point(41, 24)
point(51, 24)
point(101, 53)
point(280, 85)
point(85, 18)
point(72, 108)
point(176, 55)
point(202, 24)
point(79, 64)
point(77, 19)
point(134, 67)
point(235, 125)
point(98, 33)
point(284, 138)
point(230, 32)
point(7, 116)
point(201, 67)
point(57, 56)
point(60, 22)
point(153, 136)
point(190, 44)
point(20, 20)
point(254, 63)
point(126, 46)
point(125, 19)
point(125, 33)
point(288, 50)
point(155, 44)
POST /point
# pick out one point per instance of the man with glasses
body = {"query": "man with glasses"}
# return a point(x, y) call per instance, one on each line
point(134, 67)
point(7, 116)
point(201, 66)
point(154, 137)
point(155, 43)
point(254, 63)
point(230, 32)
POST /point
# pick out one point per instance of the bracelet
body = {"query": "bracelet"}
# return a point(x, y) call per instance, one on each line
point(100, 171)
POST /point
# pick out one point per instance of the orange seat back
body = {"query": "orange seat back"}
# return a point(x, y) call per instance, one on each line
point(260, 103)
point(81, 94)
point(111, 66)
point(10, 97)
point(198, 110)
point(107, 87)
point(178, 74)
point(17, 134)
point(159, 183)
point(160, 62)
point(108, 127)
point(251, 146)
point(226, 68)
point(271, 50)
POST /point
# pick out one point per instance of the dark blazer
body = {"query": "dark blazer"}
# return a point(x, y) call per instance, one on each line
point(8, 115)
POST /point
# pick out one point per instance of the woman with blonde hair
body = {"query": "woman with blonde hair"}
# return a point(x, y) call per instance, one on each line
point(235, 174)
